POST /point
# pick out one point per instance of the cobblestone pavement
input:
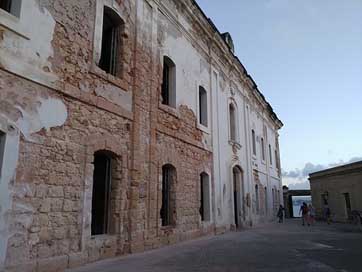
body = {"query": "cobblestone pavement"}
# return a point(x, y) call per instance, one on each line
point(271, 247)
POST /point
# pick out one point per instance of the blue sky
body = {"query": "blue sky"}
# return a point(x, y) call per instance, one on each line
point(306, 58)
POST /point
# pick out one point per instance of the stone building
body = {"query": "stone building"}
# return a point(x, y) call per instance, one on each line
point(125, 126)
point(340, 188)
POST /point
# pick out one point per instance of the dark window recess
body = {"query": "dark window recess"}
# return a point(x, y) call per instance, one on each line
point(101, 193)
point(168, 88)
point(202, 208)
point(203, 106)
point(166, 84)
point(167, 209)
point(6, 5)
point(111, 42)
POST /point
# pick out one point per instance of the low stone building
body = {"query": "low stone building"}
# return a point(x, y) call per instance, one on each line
point(125, 126)
point(340, 188)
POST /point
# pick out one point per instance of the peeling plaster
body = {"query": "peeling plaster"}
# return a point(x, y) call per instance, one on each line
point(11, 153)
point(51, 113)
point(116, 95)
point(22, 50)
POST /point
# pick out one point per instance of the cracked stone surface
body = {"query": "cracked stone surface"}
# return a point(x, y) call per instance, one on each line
point(271, 247)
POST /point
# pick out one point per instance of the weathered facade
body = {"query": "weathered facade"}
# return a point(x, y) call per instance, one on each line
point(338, 188)
point(125, 126)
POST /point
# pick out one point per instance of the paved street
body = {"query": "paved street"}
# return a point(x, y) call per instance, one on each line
point(272, 247)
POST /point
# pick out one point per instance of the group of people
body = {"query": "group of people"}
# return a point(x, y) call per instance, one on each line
point(307, 212)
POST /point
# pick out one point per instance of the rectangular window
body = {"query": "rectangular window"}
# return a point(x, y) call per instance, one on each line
point(101, 193)
point(270, 155)
point(11, 6)
point(2, 149)
point(253, 142)
point(109, 61)
point(262, 149)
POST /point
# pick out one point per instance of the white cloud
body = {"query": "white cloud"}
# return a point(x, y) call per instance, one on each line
point(298, 178)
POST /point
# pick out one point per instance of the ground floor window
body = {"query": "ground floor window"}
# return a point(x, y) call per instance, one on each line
point(168, 208)
point(205, 197)
point(102, 177)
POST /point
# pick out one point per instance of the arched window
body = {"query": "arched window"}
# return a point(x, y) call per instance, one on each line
point(276, 159)
point(262, 149)
point(11, 6)
point(203, 106)
point(270, 155)
point(102, 179)
point(232, 120)
point(253, 141)
point(168, 209)
point(168, 91)
point(111, 42)
point(257, 198)
point(205, 197)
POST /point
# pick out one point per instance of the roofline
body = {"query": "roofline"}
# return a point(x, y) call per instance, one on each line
point(337, 170)
point(255, 87)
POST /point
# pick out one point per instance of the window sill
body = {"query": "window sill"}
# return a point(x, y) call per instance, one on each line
point(203, 128)
point(169, 110)
point(12, 23)
point(103, 237)
point(108, 77)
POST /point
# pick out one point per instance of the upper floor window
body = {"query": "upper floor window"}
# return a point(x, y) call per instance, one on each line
point(2, 149)
point(276, 159)
point(270, 155)
point(111, 42)
point(262, 149)
point(203, 106)
point(168, 91)
point(253, 141)
point(232, 119)
point(11, 6)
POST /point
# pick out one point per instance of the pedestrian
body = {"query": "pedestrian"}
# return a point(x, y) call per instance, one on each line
point(327, 214)
point(311, 214)
point(280, 213)
point(304, 211)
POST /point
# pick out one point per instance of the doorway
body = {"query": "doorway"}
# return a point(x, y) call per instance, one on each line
point(237, 186)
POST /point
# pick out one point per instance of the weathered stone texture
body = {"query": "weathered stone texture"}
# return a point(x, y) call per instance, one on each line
point(72, 109)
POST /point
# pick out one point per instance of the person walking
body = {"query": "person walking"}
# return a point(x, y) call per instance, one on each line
point(311, 215)
point(327, 214)
point(304, 211)
point(280, 213)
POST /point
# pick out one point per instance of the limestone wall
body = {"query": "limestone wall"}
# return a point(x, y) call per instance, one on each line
point(57, 108)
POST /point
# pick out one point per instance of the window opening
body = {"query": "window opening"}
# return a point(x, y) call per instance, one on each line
point(101, 193)
point(111, 41)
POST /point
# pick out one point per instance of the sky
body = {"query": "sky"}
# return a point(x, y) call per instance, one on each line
point(306, 58)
